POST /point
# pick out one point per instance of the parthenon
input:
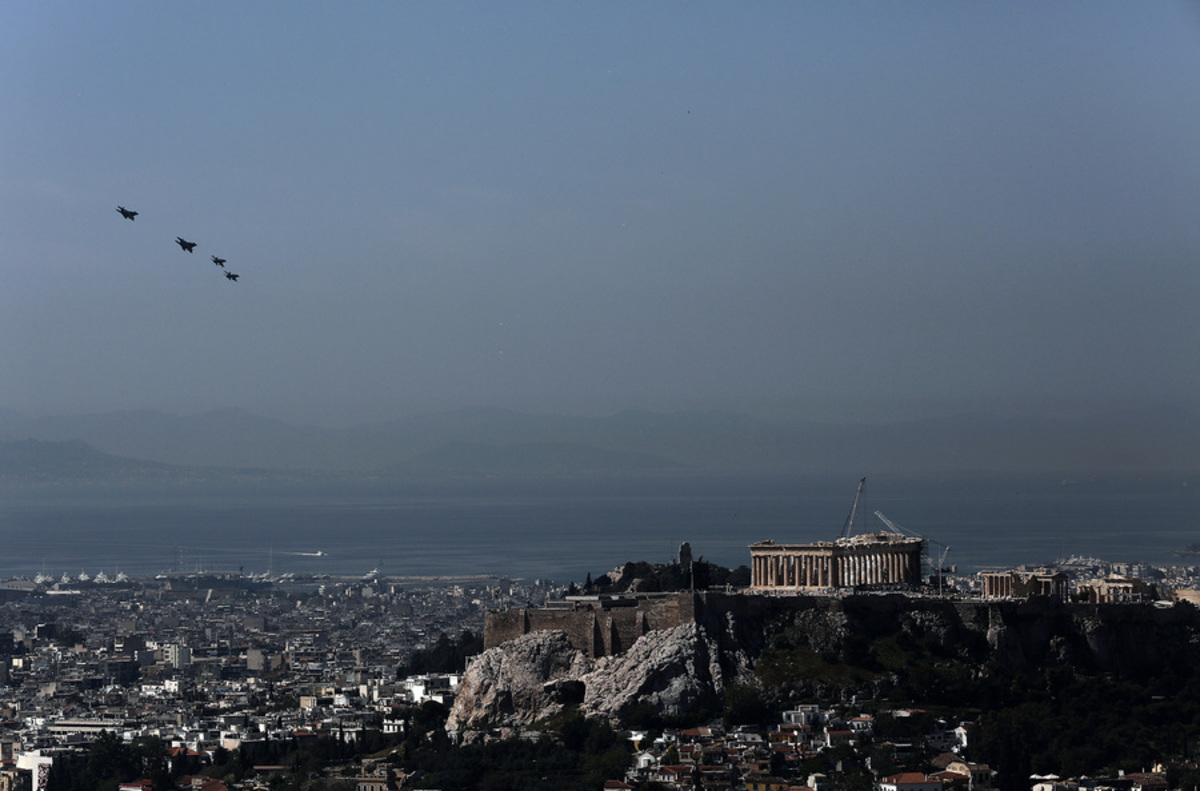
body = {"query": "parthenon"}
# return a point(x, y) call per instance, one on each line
point(869, 559)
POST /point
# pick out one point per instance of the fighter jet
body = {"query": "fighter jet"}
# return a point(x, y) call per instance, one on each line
point(231, 276)
point(127, 213)
point(218, 261)
point(185, 245)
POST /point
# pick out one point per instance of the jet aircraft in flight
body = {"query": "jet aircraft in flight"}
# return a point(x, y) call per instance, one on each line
point(218, 261)
point(128, 214)
point(185, 245)
point(231, 276)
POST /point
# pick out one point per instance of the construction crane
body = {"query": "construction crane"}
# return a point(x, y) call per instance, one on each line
point(940, 567)
point(848, 528)
point(895, 528)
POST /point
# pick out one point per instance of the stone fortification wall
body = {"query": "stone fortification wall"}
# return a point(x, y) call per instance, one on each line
point(606, 626)
point(598, 627)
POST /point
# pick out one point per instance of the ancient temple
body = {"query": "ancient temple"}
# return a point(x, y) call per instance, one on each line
point(872, 559)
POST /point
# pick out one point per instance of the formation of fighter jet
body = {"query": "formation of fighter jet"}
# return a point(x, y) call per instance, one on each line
point(184, 244)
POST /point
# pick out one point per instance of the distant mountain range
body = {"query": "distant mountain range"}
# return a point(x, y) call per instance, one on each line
point(501, 442)
point(32, 461)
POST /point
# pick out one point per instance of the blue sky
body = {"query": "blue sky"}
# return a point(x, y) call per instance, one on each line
point(844, 207)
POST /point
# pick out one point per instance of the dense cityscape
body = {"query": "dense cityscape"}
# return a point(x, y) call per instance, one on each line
point(219, 681)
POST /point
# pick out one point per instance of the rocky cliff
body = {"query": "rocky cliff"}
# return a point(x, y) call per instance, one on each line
point(536, 675)
point(516, 684)
point(882, 638)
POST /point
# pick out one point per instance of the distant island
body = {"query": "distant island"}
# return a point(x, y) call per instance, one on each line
point(1190, 551)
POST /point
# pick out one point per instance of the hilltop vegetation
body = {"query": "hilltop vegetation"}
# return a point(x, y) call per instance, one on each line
point(643, 577)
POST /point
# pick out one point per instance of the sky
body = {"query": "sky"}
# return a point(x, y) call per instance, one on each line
point(582, 207)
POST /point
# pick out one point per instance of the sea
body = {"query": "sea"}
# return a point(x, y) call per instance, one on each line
point(564, 529)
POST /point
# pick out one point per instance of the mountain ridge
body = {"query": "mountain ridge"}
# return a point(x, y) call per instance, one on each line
point(499, 441)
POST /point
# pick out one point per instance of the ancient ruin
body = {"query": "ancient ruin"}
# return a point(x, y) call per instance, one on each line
point(871, 560)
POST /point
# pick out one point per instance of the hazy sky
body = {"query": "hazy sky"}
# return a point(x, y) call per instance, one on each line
point(570, 206)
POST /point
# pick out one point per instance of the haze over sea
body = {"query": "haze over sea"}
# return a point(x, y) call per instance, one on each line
point(564, 529)
point(648, 239)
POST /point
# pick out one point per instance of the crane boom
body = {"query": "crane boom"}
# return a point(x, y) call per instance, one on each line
point(938, 567)
point(895, 528)
point(848, 528)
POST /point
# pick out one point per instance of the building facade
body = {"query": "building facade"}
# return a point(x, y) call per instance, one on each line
point(1023, 584)
point(1116, 589)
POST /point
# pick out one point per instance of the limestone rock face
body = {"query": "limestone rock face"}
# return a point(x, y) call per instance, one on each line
point(535, 676)
point(674, 670)
point(518, 683)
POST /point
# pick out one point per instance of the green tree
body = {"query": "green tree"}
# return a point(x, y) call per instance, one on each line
point(744, 705)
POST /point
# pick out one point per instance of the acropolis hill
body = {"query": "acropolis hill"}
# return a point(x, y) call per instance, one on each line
point(607, 625)
point(1129, 637)
point(870, 572)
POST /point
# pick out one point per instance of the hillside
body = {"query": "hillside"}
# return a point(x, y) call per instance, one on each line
point(34, 461)
point(1040, 677)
